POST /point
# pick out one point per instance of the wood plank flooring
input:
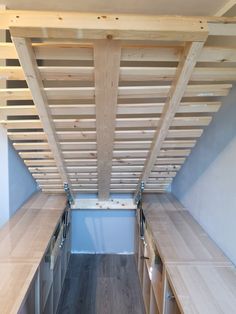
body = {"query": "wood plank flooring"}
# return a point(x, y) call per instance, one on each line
point(101, 284)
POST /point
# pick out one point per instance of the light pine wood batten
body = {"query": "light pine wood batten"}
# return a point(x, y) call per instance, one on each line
point(29, 66)
point(183, 74)
point(112, 100)
point(107, 68)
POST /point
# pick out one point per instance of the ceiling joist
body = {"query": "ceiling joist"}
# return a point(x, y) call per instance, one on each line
point(29, 65)
point(177, 91)
point(107, 66)
point(112, 99)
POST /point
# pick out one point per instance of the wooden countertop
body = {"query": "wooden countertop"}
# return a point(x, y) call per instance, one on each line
point(203, 289)
point(14, 284)
point(26, 235)
point(201, 277)
point(177, 235)
point(23, 242)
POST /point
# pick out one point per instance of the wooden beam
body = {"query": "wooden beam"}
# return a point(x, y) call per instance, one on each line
point(183, 74)
point(29, 65)
point(74, 25)
point(226, 7)
point(107, 66)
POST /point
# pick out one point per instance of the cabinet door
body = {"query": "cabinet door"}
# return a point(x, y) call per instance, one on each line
point(29, 306)
point(65, 254)
point(64, 260)
point(136, 249)
point(46, 278)
point(68, 246)
point(171, 306)
point(146, 287)
point(56, 283)
point(48, 309)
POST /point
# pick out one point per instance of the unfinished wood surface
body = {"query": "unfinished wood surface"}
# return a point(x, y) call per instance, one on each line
point(26, 236)
point(124, 92)
point(122, 109)
point(29, 65)
point(177, 236)
point(76, 51)
point(77, 60)
point(96, 26)
point(186, 270)
point(16, 279)
point(225, 8)
point(174, 97)
point(203, 288)
point(107, 67)
point(23, 242)
point(133, 74)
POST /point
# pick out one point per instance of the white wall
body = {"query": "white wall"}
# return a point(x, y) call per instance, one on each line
point(4, 197)
point(21, 183)
point(206, 184)
point(4, 178)
point(103, 231)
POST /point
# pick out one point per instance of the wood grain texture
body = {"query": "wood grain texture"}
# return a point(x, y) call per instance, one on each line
point(101, 284)
point(178, 237)
point(76, 82)
point(94, 26)
point(25, 237)
point(203, 288)
point(193, 273)
point(107, 68)
point(16, 279)
point(177, 90)
point(80, 51)
point(23, 243)
point(34, 81)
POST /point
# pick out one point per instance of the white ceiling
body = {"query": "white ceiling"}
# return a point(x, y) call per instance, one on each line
point(178, 7)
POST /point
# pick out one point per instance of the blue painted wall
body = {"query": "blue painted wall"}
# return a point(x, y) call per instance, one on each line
point(103, 231)
point(21, 183)
point(206, 184)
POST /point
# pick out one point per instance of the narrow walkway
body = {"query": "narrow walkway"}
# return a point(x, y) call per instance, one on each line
point(101, 284)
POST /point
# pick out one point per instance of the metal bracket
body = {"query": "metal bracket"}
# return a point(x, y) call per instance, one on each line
point(68, 194)
point(138, 196)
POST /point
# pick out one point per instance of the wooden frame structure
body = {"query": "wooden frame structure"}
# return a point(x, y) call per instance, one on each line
point(112, 100)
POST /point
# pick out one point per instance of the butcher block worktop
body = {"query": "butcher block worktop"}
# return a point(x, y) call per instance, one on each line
point(203, 289)
point(23, 242)
point(201, 278)
point(177, 235)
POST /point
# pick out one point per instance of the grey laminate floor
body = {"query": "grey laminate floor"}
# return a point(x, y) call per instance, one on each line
point(101, 284)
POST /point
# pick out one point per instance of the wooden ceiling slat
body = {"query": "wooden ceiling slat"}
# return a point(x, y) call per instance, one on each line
point(99, 110)
point(76, 51)
point(124, 92)
point(140, 74)
point(91, 123)
point(122, 109)
point(91, 135)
